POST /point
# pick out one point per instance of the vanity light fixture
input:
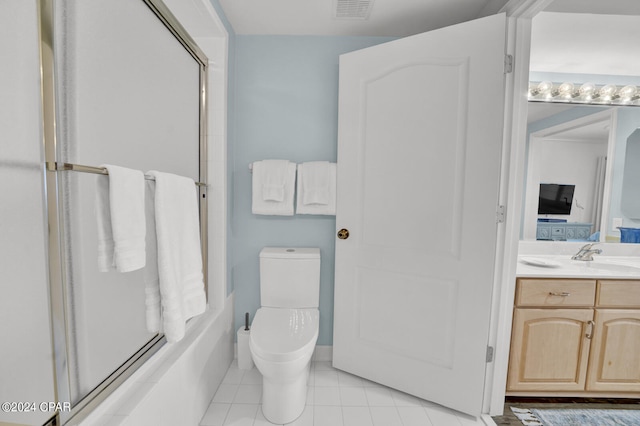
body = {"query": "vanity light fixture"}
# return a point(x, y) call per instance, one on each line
point(587, 93)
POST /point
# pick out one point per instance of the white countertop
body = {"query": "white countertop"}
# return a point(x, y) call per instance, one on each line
point(561, 266)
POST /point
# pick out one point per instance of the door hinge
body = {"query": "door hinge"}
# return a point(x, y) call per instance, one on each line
point(489, 353)
point(500, 214)
point(508, 64)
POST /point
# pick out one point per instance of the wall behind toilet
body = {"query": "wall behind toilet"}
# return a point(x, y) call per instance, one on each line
point(285, 106)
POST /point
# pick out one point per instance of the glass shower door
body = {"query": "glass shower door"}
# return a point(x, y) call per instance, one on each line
point(128, 94)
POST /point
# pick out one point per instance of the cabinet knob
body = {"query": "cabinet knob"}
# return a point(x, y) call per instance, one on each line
point(563, 294)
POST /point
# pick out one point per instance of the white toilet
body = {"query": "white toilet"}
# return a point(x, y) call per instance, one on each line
point(284, 330)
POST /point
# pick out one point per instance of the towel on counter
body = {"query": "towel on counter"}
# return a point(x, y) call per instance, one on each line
point(120, 217)
point(316, 188)
point(273, 186)
point(179, 255)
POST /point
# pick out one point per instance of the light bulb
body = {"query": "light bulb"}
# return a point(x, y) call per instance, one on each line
point(545, 87)
point(628, 92)
point(587, 90)
point(566, 90)
point(607, 92)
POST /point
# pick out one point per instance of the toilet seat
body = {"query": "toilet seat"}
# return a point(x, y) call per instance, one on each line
point(282, 334)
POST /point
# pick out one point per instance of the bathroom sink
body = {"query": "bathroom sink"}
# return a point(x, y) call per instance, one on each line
point(632, 262)
point(615, 264)
point(600, 266)
point(607, 266)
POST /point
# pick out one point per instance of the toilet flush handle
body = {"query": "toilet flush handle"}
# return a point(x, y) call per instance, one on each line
point(343, 234)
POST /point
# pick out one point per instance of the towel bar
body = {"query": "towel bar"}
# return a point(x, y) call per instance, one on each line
point(53, 167)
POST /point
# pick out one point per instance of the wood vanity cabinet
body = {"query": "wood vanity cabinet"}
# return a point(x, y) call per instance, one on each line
point(575, 337)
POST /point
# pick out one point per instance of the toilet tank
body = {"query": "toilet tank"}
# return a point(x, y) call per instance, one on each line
point(289, 277)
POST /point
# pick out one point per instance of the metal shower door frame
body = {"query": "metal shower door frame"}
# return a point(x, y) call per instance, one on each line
point(58, 287)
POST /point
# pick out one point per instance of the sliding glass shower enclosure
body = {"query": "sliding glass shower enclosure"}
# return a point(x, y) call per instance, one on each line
point(93, 82)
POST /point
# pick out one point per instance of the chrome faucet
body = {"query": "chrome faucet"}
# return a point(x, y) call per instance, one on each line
point(586, 252)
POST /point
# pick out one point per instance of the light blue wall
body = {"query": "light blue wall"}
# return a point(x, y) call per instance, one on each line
point(285, 107)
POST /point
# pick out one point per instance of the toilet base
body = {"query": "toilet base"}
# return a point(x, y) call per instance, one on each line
point(284, 401)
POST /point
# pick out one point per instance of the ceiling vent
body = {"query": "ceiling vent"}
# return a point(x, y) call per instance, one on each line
point(353, 9)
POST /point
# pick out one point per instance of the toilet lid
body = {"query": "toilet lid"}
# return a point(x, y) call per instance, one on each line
point(282, 334)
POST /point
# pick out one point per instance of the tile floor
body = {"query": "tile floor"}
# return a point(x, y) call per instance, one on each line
point(334, 398)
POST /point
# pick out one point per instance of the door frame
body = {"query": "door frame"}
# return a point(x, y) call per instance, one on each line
point(519, 18)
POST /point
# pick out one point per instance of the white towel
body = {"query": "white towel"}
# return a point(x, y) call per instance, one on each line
point(273, 186)
point(179, 254)
point(151, 278)
point(316, 188)
point(314, 181)
point(120, 220)
point(274, 177)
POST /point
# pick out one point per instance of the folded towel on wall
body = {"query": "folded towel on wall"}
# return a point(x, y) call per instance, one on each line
point(120, 215)
point(274, 177)
point(179, 254)
point(314, 181)
point(316, 188)
point(273, 186)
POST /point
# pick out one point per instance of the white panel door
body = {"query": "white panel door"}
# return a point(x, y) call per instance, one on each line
point(420, 138)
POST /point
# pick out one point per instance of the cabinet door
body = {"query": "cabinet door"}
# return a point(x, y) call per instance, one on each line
point(615, 351)
point(558, 233)
point(583, 232)
point(543, 232)
point(549, 350)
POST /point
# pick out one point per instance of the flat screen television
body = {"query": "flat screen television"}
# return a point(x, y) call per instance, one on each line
point(555, 198)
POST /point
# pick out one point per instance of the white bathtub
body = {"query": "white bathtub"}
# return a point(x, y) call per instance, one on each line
point(177, 384)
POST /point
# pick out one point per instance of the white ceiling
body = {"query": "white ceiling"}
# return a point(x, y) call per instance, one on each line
point(571, 36)
point(585, 43)
point(393, 18)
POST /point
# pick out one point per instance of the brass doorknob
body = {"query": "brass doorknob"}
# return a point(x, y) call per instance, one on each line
point(343, 234)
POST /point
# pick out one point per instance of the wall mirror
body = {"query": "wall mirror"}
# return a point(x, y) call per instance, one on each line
point(576, 144)
point(630, 203)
